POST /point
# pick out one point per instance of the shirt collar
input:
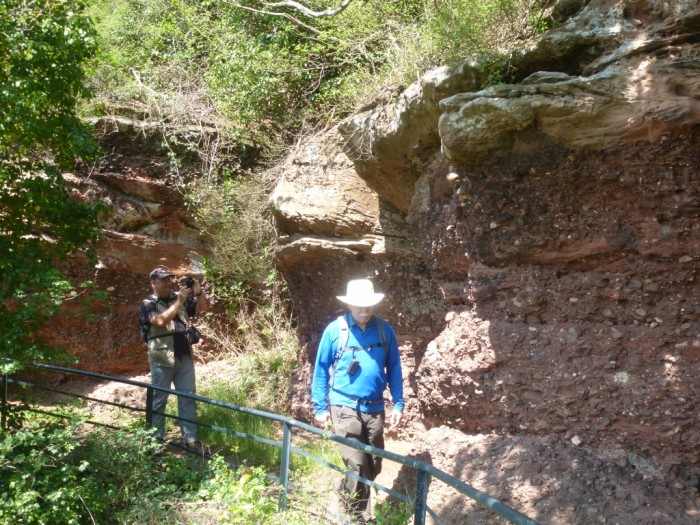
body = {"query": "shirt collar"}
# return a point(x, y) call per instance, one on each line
point(351, 321)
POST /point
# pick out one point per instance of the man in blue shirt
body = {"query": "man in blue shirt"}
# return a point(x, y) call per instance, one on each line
point(349, 383)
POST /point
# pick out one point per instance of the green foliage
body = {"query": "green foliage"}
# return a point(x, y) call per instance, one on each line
point(242, 495)
point(237, 392)
point(270, 73)
point(393, 513)
point(122, 470)
point(38, 484)
point(14, 415)
point(235, 213)
point(487, 31)
point(51, 475)
point(478, 29)
point(43, 50)
point(263, 350)
point(271, 69)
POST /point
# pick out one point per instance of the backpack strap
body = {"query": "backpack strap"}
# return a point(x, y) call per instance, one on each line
point(144, 323)
point(382, 338)
point(345, 335)
point(342, 342)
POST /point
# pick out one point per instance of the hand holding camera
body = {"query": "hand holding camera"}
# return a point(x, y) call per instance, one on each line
point(187, 290)
point(193, 285)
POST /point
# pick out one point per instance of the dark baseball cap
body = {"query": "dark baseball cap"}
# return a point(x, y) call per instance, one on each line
point(159, 273)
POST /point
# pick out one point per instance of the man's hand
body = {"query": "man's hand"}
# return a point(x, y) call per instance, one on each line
point(395, 419)
point(162, 319)
point(183, 294)
point(323, 420)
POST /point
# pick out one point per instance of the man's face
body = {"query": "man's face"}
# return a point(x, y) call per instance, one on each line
point(163, 286)
point(362, 314)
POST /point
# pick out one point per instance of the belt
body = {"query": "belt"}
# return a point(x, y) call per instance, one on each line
point(369, 403)
point(362, 402)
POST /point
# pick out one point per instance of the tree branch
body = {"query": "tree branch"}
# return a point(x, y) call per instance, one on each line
point(283, 15)
point(308, 12)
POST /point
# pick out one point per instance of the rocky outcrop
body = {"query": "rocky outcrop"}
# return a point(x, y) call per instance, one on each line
point(145, 224)
point(538, 242)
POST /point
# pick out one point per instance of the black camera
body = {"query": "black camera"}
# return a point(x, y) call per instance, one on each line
point(189, 281)
point(354, 365)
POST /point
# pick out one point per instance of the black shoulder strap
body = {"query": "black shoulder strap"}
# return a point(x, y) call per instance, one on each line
point(382, 338)
point(345, 335)
point(144, 323)
point(382, 332)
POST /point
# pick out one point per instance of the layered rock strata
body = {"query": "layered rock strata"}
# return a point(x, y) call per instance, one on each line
point(538, 242)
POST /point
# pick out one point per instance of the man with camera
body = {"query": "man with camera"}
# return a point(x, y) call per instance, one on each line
point(165, 318)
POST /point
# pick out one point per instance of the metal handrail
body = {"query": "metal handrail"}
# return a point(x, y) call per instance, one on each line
point(424, 471)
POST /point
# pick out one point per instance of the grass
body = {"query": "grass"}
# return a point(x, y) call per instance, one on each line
point(246, 451)
point(240, 449)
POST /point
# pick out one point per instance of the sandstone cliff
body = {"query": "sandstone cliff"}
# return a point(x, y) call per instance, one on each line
point(147, 224)
point(539, 246)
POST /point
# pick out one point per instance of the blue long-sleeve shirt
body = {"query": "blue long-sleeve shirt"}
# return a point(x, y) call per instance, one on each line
point(376, 369)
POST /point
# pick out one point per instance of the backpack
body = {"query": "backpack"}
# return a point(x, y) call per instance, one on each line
point(145, 328)
point(345, 335)
point(144, 325)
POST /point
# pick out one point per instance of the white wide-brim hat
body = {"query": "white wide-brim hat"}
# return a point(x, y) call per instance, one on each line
point(361, 293)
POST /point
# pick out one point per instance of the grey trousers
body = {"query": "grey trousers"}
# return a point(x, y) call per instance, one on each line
point(367, 428)
point(183, 377)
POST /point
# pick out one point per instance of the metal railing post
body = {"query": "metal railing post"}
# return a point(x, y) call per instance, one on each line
point(149, 407)
point(421, 503)
point(4, 401)
point(284, 466)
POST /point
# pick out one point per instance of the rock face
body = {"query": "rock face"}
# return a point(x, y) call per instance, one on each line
point(539, 242)
point(539, 245)
point(146, 225)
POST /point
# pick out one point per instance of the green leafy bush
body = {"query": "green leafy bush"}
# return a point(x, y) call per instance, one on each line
point(235, 213)
point(243, 495)
point(44, 48)
point(486, 31)
point(54, 472)
point(38, 484)
point(51, 475)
